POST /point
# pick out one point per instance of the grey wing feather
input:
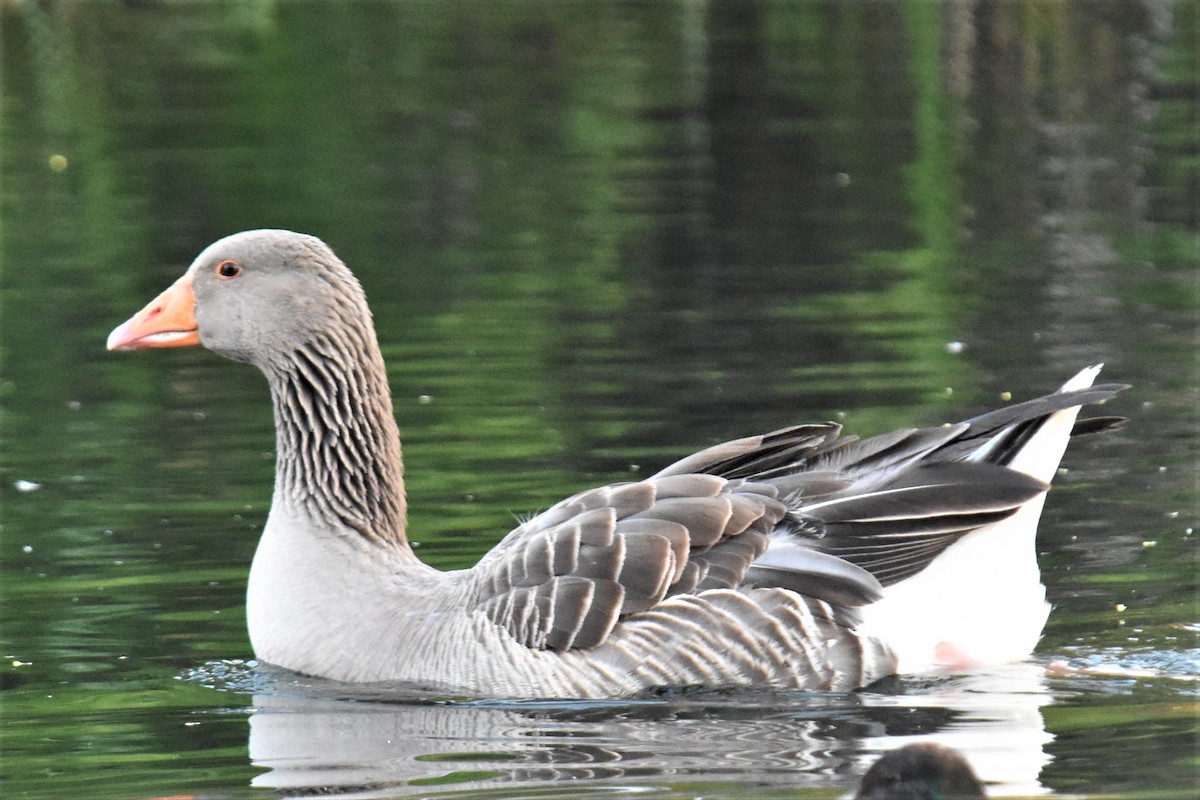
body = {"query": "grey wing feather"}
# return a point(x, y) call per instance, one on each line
point(565, 578)
point(754, 454)
point(1001, 434)
point(792, 564)
point(907, 496)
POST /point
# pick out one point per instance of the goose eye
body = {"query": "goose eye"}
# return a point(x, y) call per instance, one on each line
point(229, 269)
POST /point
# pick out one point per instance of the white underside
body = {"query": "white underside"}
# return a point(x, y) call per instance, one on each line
point(311, 595)
point(982, 600)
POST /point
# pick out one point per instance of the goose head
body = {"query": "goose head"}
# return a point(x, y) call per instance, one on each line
point(254, 296)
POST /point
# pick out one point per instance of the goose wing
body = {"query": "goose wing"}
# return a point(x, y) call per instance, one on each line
point(832, 518)
point(565, 578)
point(892, 503)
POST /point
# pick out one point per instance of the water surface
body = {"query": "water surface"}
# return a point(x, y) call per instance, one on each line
point(595, 237)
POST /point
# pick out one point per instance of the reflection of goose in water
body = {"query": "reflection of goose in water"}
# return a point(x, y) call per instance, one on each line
point(368, 746)
point(1002, 733)
point(796, 559)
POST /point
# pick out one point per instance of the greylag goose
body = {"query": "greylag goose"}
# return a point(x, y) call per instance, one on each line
point(794, 559)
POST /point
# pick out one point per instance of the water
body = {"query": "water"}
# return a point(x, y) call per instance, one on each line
point(595, 237)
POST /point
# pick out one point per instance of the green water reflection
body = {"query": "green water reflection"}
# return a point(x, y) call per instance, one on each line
point(594, 235)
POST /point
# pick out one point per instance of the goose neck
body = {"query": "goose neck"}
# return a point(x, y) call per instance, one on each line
point(338, 447)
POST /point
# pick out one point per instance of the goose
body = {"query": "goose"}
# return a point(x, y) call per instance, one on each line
point(796, 559)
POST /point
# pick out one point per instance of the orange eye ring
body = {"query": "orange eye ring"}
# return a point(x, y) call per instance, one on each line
point(229, 269)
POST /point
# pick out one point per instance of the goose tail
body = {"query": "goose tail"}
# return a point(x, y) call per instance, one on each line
point(981, 600)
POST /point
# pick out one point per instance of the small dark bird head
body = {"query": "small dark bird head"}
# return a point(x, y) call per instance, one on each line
point(924, 771)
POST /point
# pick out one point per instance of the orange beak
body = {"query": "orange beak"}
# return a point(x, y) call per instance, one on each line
point(168, 321)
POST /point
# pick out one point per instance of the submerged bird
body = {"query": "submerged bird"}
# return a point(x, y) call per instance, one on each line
point(794, 559)
point(922, 771)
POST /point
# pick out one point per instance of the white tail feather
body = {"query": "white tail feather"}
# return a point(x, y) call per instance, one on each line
point(982, 599)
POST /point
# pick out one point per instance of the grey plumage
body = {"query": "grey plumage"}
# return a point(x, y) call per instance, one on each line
point(871, 513)
point(641, 541)
point(747, 563)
